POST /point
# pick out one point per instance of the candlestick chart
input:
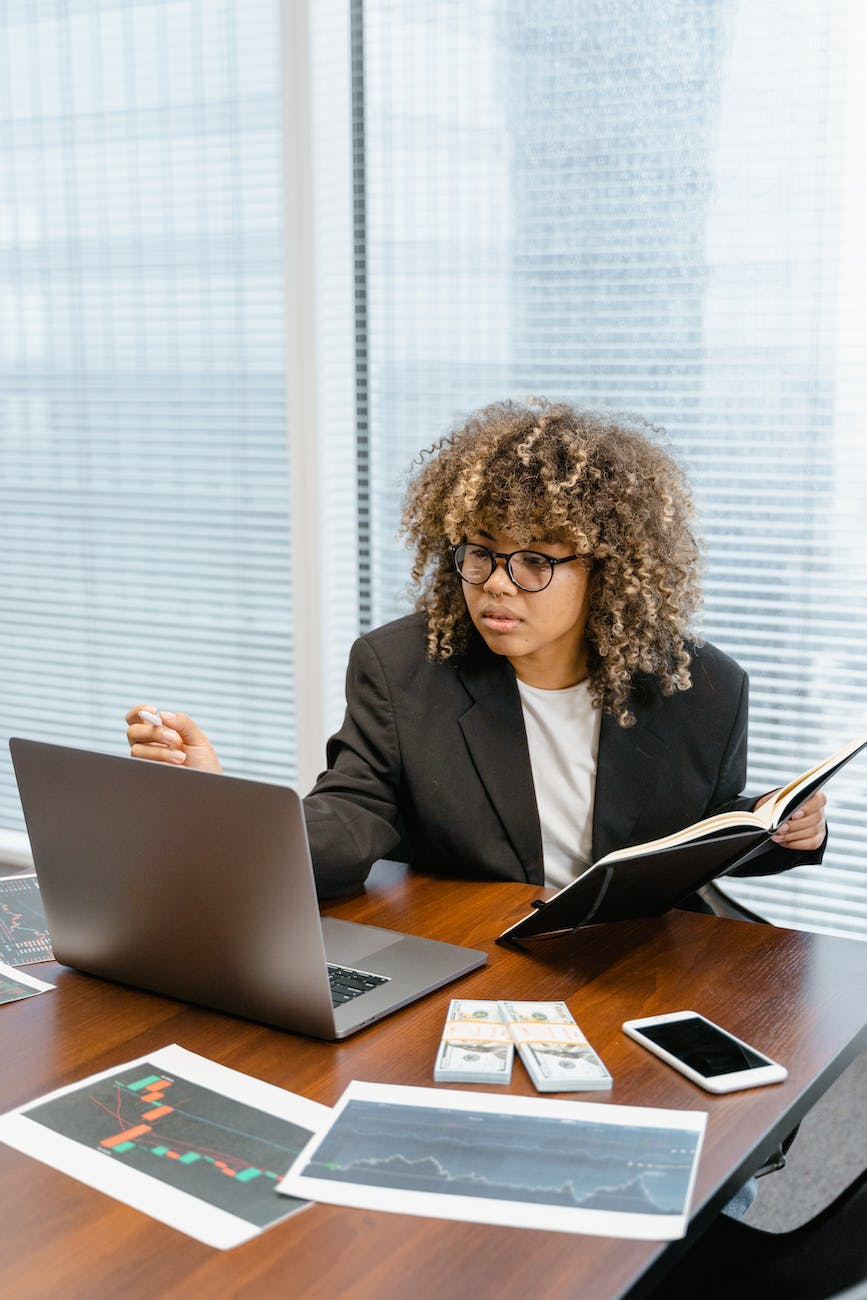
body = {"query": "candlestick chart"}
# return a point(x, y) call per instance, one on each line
point(215, 1148)
point(12, 991)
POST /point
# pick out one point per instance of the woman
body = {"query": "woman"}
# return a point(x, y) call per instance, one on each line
point(545, 704)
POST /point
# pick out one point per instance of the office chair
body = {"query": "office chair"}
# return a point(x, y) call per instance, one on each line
point(720, 904)
point(816, 1261)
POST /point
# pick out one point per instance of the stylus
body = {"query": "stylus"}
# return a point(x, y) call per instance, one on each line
point(153, 718)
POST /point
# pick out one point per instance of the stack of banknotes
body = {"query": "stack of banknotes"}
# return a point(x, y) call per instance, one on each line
point(475, 1046)
point(479, 1039)
point(557, 1055)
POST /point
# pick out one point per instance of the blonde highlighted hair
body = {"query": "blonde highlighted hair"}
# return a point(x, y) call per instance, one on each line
point(605, 485)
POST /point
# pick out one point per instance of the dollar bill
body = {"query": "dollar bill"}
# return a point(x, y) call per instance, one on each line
point(557, 1056)
point(476, 1046)
point(540, 1013)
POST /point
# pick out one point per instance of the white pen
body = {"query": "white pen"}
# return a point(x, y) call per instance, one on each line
point(153, 718)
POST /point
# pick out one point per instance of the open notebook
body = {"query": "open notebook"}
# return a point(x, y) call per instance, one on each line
point(647, 879)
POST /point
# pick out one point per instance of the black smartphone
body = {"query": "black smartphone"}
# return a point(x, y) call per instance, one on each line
point(705, 1053)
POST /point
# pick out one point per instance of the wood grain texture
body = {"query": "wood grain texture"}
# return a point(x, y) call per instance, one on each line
point(798, 997)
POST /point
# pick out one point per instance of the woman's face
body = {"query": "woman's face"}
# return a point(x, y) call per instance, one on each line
point(541, 633)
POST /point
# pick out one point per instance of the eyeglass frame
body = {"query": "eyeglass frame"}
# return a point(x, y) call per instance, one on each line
point(553, 561)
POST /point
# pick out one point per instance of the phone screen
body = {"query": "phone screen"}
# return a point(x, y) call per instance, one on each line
point(703, 1047)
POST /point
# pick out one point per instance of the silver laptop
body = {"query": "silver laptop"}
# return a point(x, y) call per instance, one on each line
point(201, 887)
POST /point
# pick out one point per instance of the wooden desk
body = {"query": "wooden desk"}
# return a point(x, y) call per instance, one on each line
point(799, 997)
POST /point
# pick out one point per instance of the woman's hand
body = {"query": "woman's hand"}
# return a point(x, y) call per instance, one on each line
point(805, 830)
point(179, 740)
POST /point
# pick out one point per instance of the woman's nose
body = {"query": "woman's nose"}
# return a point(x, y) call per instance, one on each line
point(499, 581)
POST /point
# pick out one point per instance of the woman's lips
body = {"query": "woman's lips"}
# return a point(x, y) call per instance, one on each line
point(499, 619)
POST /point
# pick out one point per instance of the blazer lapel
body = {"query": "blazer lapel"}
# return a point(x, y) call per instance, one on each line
point(493, 728)
point(630, 764)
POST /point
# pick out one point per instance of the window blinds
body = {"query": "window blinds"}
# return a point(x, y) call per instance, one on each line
point(653, 208)
point(144, 531)
point(658, 209)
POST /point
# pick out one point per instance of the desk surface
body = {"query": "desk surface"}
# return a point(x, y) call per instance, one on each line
point(797, 996)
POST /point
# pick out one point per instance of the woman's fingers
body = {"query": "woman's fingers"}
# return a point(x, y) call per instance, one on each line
point(163, 736)
point(152, 739)
point(805, 830)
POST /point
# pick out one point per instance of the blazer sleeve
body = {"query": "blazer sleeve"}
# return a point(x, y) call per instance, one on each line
point(352, 812)
point(732, 776)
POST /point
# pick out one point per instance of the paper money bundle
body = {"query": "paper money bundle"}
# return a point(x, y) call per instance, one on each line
point(475, 1046)
point(557, 1055)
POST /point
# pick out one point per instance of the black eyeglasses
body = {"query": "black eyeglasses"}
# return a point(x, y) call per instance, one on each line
point(529, 570)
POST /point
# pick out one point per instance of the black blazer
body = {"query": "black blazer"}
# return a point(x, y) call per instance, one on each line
point(431, 765)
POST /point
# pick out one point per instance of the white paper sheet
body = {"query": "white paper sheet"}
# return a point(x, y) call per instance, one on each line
point(15, 985)
point(565, 1166)
point(190, 1142)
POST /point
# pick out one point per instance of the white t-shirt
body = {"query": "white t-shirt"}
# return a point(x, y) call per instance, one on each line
point(563, 736)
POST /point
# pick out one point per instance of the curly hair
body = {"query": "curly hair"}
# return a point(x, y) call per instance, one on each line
point(603, 484)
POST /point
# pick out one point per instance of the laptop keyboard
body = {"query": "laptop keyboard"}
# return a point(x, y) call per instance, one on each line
point(347, 984)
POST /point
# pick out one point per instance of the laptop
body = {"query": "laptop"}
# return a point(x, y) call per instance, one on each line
point(200, 887)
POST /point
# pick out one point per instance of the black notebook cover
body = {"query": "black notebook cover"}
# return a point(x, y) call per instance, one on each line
point(646, 885)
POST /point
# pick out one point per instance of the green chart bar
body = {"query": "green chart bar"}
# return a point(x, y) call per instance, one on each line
point(143, 1083)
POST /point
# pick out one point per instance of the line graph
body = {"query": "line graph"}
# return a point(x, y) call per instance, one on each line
point(529, 1159)
point(221, 1151)
point(23, 929)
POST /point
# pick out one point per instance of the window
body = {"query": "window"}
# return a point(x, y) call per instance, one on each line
point(144, 519)
point(658, 209)
point(653, 208)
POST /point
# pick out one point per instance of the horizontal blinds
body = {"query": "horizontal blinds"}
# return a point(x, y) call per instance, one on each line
point(660, 209)
point(144, 530)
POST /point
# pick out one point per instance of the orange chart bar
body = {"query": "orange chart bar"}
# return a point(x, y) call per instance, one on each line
point(159, 1112)
point(127, 1136)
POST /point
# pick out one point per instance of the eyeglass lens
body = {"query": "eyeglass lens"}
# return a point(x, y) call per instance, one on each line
point(528, 569)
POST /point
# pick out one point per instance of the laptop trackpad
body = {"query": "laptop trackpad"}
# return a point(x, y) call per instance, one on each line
point(346, 942)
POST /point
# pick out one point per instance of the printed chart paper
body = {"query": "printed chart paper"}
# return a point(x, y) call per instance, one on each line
point(565, 1166)
point(23, 928)
point(15, 985)
point(192, 1143)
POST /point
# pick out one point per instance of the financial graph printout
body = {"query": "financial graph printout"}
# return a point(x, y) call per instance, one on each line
point(617, 1170)
point(211, 1146)
point(195, 1144)
point(23, 928)
point(14, 985)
